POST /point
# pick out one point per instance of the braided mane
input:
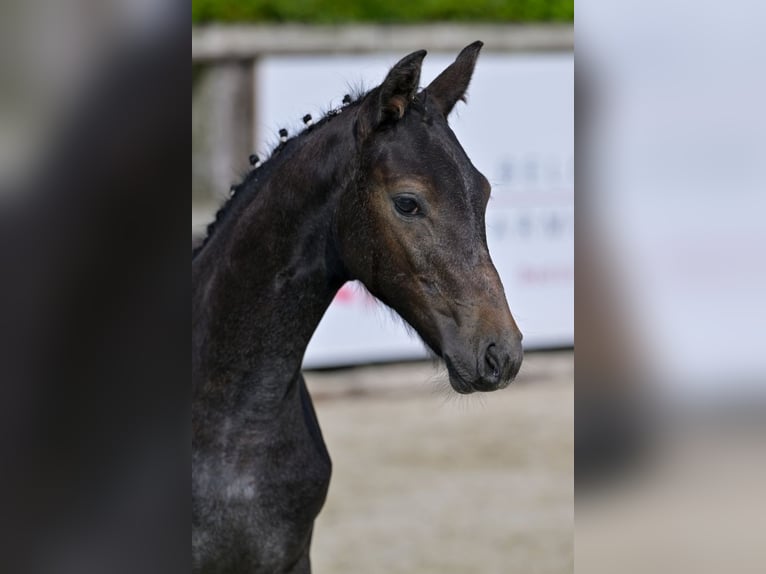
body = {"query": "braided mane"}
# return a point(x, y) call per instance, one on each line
point(235, 194)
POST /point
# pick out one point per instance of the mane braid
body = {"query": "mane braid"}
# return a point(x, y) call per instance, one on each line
point(251, 175)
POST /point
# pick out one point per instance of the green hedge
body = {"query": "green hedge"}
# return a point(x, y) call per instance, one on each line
point(338, 11)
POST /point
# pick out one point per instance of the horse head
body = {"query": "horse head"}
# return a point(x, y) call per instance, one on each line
point(412, 226)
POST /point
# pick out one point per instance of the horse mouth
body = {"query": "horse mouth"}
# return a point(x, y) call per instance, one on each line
point(459, 382)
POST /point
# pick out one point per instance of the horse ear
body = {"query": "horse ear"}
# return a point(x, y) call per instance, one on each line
point(451, 85)
point(390, 100)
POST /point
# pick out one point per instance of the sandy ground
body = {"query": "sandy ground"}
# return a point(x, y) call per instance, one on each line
point(426, 482)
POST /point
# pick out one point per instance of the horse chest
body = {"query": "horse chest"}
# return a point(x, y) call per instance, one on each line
point(255, 501)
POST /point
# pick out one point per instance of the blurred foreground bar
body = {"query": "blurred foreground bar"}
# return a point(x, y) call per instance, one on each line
point(671, 278)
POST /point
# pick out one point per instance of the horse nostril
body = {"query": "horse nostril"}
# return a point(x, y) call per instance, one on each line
point(501, 365)
point(492, 362)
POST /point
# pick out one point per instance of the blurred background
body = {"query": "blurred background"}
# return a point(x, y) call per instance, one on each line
point(671, 278)
point(423, 481)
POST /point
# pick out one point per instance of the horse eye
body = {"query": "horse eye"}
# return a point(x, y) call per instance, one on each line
point(406, 206)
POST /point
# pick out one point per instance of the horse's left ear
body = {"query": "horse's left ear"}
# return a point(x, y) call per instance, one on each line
point(388, 101)
point(451, 85)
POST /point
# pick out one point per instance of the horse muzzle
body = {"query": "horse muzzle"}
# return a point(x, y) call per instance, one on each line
point(493, 367)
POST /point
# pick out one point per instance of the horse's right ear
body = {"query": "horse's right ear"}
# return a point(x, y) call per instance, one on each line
point(390, 99)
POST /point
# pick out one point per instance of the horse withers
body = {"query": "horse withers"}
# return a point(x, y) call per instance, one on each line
point(378, 191)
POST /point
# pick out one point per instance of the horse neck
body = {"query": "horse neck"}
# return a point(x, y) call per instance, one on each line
point(265, 279)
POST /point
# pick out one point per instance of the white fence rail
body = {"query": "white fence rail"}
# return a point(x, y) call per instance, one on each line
point(210, 43)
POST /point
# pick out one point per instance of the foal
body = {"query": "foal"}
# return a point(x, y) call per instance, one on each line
point(379, 191)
